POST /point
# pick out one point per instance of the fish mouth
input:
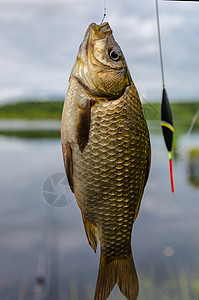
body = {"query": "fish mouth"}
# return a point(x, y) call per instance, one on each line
point(98, 32)
point(101, 30)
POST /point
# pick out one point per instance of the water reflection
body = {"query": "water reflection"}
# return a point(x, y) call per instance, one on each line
point(40, 240)
point(45, 129)
point(33, 134)
point(28, 125)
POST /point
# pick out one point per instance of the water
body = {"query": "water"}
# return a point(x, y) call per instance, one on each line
point(44, 247)
point(30, 125)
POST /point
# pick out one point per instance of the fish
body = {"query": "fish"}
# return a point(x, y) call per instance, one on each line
point(106, 152)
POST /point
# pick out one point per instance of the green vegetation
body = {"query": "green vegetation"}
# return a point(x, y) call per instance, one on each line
point(193, 174)
point(183, 113)
point(32, 110)
point(194, 154)
point(177, 285)
point(32, 134)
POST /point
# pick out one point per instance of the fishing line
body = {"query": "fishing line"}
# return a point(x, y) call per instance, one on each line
point(160, 45)
point(166, 113)
point(104, 13)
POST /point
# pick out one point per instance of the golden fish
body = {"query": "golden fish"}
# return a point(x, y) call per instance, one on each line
point(106, 150)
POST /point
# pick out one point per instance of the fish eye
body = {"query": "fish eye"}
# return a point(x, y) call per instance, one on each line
point(114, 55)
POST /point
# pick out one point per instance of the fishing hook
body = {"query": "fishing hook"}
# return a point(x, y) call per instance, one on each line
point(104, 13)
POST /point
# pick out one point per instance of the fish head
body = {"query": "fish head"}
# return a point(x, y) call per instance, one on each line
point(100, 64)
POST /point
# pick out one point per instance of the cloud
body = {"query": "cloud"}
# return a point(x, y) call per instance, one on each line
point(39, 42)
point(9, 93)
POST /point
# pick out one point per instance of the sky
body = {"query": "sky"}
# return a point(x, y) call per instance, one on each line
point(39, 40)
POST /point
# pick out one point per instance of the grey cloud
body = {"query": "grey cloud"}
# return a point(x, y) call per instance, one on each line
point(40, 39)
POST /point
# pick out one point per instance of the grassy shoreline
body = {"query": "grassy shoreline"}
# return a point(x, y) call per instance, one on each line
point(33, 110)
point(183, 113)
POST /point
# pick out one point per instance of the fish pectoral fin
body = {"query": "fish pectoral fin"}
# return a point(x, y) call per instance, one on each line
point(120, 271)
point(83, 124)
point(90, 230)
point(68, 162)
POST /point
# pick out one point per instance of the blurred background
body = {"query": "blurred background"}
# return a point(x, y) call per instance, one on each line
point(44, 253)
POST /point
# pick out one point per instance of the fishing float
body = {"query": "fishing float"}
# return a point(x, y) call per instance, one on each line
point(166, 113)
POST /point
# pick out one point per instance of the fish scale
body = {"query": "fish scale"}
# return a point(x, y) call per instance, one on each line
point(106, 149)
point(104, 181)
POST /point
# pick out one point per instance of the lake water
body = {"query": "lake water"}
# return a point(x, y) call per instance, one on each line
point(44, 253)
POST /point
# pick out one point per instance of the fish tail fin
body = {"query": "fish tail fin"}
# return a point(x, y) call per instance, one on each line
point(127, 277)
point(119, 271)
point(107, 278)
